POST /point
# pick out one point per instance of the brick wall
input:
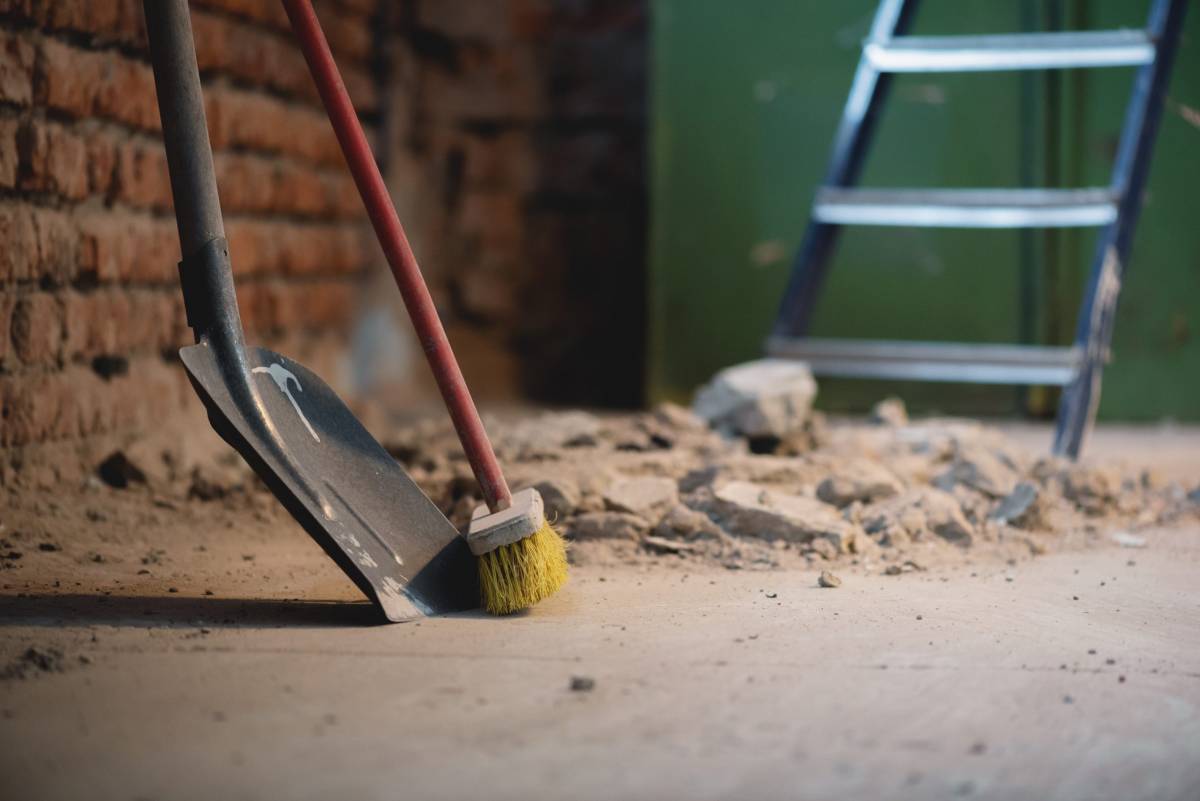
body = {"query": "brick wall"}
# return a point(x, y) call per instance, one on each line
point(512, 135)
point(90, 309)
point(526, 121)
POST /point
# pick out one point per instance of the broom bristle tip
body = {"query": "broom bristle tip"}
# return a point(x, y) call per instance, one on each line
point(518, 575)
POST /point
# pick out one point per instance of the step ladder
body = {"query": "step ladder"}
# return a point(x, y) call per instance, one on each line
point(1114, 209)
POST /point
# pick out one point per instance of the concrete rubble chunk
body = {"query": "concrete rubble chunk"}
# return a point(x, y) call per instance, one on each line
point(606, 526)
point(561, 497)
point(889, 412)
point(553, 430)
point(676, 416)
point(858, 480)
point(751, 510)
point(682, 522)
point(828, 580)
point(1092, 489)
point(945, 518)
point(916, 514)
point(648, 497)
point(981, 469)
point(764, 398)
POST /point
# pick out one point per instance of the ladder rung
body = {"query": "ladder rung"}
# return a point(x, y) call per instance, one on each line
point(966, 208)
point(1030, 51)
point(931, 361)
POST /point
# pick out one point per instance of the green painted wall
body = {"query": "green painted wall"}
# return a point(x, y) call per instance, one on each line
point(744, 105)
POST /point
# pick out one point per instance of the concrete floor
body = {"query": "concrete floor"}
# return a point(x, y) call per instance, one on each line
point(707, 685)
point(1075, 675)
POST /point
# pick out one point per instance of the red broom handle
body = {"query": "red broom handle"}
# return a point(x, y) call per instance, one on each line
point(399, 255)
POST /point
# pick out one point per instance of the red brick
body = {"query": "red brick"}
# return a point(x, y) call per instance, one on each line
point(8, 300)
point(16, 68)
point(110, 21)
point(273, 307)
point(466, 19)
point(494, 217)
point(488, 83)
point(128, 247)
point(57, 247)
point(120, 321)
point(87, 83)
point(53, 160)
point(76, 402)
point(250, 120)
point(19, 255)
point(504, 161)
point(348, 32)
point(361, 6)
point(280, 248)
point(39, 244)
point(37, 328)
point(9, 158)
point(268, 58)
point(141, 178)
point(254, 184)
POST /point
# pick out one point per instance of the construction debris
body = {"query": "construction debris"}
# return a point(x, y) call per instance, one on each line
point(666, 484)
point(828, 580)
point(765, 398)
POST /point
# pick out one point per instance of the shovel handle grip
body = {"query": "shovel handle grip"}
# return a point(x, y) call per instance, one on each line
point(399, 254)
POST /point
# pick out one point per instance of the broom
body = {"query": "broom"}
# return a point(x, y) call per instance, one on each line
point(522, 559)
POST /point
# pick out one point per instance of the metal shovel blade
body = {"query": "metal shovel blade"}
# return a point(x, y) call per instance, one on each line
point(347, 492)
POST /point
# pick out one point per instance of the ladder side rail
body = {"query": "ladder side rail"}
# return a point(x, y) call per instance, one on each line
point(867, 93)
point(1093, 336)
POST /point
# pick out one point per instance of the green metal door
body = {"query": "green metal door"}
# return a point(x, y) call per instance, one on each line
point(745, 99)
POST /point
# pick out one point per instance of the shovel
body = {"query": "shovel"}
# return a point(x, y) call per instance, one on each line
point(346, 491)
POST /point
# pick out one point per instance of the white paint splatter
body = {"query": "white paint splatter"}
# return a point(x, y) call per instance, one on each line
point(281, 375)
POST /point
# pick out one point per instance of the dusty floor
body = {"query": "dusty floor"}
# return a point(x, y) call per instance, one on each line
point(159, 645)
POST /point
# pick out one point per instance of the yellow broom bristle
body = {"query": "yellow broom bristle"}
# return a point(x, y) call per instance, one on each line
point(518, 575)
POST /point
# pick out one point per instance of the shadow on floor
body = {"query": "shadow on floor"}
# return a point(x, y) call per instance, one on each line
point(182, 612)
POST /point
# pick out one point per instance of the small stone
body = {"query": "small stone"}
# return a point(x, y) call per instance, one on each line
point(606, 526)
point(48, 546)
point(827, 579)
point(560, 496)
point(945, 518)
point(858, 480)
point(582, 684)
point(646, 496)
point(824, 548)
point(889, 412)
point(572, 429)
point(1093, 490)
point(676, 416)
point(683, 522)
point(752, 510)
point(764, 398)
point(981, 469)
point(664, 545)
